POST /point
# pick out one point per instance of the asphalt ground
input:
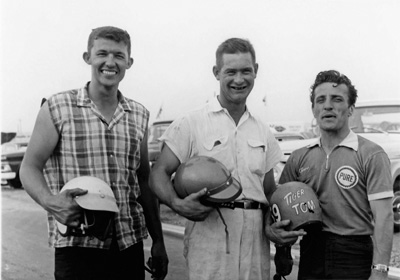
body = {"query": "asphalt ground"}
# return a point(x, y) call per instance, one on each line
point(169, 229)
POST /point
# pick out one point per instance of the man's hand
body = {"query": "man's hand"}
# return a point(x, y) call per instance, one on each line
point(158, 262)
point(277, 233)
point(192, 208)
point(376, 275)
point(64, 207)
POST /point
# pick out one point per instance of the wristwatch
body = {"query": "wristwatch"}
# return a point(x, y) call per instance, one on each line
point(380, 267)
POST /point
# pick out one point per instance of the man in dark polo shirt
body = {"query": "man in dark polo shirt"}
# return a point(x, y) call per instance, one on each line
point(351, 177)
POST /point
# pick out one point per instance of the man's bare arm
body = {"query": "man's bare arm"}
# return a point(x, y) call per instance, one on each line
point(41, 145)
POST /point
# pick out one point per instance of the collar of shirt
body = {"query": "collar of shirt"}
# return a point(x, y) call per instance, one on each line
point(215, 106)
point(83, 99)
point(351, 141)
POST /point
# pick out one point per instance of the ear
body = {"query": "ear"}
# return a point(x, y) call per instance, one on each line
point(313, 112)
point(130, 62)
point(216, 72)
point(86, 57)
point(256, 68)
point(351, 110)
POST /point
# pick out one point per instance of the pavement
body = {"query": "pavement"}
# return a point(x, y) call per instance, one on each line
point(178, 231)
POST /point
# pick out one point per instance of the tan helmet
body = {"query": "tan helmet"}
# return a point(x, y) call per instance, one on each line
point(201, 172)
point(297, 202)
point(99, 207)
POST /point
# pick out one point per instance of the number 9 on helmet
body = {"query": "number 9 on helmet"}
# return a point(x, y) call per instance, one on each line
point(297, 202)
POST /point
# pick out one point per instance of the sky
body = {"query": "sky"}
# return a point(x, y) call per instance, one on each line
point(174, 44)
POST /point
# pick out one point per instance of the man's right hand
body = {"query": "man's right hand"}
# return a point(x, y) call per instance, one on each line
point(191, 208)
point(278, 234)
point(64, 207)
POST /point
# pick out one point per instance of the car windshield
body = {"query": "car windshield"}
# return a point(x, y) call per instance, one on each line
point(376, 119)
point(157, 130)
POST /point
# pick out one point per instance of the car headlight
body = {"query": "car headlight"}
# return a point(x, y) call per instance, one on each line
point(5, 167)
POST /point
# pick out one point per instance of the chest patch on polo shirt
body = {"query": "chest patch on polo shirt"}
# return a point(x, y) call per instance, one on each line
point(346, 177)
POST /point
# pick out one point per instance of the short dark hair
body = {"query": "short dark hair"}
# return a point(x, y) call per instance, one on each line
point(111, 33)
point(333, 76)
point(232, 46)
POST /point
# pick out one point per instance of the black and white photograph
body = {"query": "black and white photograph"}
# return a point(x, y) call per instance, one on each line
point(200, 140)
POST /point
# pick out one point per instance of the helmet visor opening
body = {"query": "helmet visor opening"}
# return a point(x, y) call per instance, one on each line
point(231, 190)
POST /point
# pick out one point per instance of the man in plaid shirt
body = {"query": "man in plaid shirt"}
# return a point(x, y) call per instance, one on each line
point(96, 131)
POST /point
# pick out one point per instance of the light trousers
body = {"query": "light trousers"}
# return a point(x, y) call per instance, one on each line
point(206, 246)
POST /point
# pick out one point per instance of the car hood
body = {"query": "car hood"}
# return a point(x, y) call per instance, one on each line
point(13, 152)
point(390, 142)
point(288, 147)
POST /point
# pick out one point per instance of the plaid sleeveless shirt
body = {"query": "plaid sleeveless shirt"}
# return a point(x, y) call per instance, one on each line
point(89, 146)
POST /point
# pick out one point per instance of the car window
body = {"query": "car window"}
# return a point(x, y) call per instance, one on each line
point(157, 130)
point(376, 119)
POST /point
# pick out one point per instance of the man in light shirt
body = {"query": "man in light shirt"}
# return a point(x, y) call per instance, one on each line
point(227, 131)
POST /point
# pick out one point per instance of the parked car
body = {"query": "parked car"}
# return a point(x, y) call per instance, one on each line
point(154, 145)
point(378, 121)
point(12, 154)
point(288, 136)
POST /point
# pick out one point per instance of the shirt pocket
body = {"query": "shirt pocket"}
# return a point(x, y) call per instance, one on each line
point(257, 156)
point(216, 147)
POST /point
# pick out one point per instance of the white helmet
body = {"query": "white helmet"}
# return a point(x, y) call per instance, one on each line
point(99, 207)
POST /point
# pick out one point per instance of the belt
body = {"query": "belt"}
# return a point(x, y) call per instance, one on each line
point(331, 235)
point(244, 204)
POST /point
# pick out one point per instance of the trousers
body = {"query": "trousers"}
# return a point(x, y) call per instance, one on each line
point(238, 252)
point(78, 263)
point(326, 255)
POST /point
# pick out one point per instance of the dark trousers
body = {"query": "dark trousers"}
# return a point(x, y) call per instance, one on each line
point(76, 263)
point(330, 256)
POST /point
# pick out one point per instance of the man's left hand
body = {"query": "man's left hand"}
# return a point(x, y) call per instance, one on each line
point(158, 263)
point(376, 275)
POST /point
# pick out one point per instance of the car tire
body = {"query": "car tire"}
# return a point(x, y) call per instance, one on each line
point(396, 205)
point(396, 210)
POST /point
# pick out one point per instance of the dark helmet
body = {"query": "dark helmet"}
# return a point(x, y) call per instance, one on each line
point(297, 202)
point(201, 172)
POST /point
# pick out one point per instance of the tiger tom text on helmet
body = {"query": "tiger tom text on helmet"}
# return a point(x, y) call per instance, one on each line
point(297, 202)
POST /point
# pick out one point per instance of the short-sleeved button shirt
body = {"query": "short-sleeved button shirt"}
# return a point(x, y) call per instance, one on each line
point(248, 149)
point(354, 173)
point(89, 146)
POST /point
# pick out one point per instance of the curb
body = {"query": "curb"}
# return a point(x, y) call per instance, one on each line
point(178, 232)
point(172, 230)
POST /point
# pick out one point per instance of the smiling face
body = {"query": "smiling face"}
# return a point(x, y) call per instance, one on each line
point(331, 107)
point(236, 77)
point(109, 60)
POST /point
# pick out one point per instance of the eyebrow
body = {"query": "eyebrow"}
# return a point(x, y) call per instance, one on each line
point(241, 69)
point(331, 95)
point(111, 51)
